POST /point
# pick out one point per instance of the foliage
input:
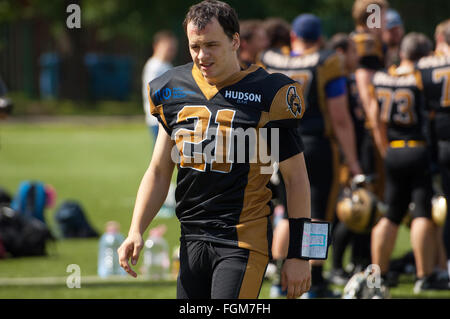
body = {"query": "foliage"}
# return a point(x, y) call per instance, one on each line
point(139, 19)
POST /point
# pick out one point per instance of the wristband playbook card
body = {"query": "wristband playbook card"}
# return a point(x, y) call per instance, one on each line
point(315, 240)
point(308, 239)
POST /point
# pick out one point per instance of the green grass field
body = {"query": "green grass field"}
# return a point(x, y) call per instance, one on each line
point(100, 165)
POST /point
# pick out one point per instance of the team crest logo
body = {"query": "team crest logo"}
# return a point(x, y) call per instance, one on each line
point(293, 101)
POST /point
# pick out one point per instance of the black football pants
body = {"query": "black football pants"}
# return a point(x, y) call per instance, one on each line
point(215, 271)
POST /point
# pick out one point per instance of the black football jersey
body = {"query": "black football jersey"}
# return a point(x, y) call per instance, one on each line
point(370, 50)
point(401, 103)
point(313, 70)
point(222, 195)
point(435, 71)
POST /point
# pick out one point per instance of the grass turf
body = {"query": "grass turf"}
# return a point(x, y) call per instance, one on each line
point(99, 165)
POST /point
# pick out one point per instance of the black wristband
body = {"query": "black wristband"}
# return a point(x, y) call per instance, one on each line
point(296, 237)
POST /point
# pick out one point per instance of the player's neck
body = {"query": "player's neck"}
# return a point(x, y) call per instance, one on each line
point(161, 56)
point(232, 70)
point(364, 29)
point(300, 47)
point(406, 66)
point(442, 49)
point(247, 56)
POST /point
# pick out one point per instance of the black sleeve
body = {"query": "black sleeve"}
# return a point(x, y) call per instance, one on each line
point(370, 62)
point(290, 142)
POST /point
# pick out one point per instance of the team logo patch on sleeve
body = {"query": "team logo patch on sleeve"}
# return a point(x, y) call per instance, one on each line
point(294, 102)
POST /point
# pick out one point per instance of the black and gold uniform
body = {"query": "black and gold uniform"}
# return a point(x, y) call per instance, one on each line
point(435, 71)
point(364, 145)
point(315, 70)
point(408, 177)
point(371, 56)
point(222, 198)
point(370, 50)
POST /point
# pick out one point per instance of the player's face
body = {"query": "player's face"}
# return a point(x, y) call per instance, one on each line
point(351, 56)
point(213, 51)
point(260, 41)
point(393, 36)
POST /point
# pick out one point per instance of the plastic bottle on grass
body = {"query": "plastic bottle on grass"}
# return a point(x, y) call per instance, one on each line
point(108, 258)
point(156, 255)
point(175, 262)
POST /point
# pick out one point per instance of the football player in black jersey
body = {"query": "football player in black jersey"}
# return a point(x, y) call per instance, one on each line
point(342, 235)
point(435, 71)
point(407, 163)
point(371, 57)
point(326, 125)
point(222, 198)
point(392, 37)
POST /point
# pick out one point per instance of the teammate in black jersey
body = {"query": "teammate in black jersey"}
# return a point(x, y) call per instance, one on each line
point(435, 71)
point(408, 179)
point(342, 235)
point(371, 57)
point(222, 198)
point(326, 125)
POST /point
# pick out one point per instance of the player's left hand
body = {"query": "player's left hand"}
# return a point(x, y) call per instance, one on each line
point(296, 277)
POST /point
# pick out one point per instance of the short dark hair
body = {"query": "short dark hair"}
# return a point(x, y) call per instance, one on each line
point(340, 40)
point(278, 31)
point(202, 13)
point(248, 28)
point(415, 45)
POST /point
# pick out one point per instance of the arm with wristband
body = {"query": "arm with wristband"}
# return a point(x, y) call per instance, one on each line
point(296, 274)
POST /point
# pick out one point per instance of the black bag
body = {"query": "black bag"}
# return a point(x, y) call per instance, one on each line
point(22, 236)
point(5, 197)
point(72, 223)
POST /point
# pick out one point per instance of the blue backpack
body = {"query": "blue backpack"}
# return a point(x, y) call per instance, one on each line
point(30, 200)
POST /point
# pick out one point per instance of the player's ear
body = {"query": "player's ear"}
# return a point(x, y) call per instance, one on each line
point(236, 41)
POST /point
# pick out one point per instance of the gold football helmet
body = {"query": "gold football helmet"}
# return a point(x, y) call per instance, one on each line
point(359, 209)
point(439, 209)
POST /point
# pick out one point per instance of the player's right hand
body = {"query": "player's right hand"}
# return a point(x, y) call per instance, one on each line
point(295, 277)
point(130, 248)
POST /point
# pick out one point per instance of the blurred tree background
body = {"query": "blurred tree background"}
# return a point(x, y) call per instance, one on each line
point(30, 28)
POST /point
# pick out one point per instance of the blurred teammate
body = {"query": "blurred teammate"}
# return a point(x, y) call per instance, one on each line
point(408, 179)
point(435, 71)
point(326, 123)
point(222, 203)
point(392, 37)
point(342, 235)
point(278, 33)
point(371, 57)
point(440, 37)
point(165, 46)
point(253, 41)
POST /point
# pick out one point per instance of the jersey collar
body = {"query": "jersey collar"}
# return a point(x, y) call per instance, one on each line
point(208, 90)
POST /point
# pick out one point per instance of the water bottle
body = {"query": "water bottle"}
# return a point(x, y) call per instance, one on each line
point(175, 262)
point(156, 255)
point(108, 258)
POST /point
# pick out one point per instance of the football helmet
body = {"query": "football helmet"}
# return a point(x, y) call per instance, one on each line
point(439, 209)
point(358, 208)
